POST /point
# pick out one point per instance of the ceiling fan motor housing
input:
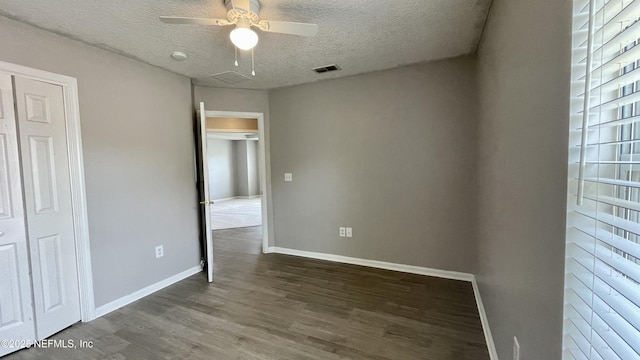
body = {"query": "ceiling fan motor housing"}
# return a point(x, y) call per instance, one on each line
point(236, 10)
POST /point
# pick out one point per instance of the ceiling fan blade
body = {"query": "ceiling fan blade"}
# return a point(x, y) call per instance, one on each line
point(193, 21)
point(286, 27)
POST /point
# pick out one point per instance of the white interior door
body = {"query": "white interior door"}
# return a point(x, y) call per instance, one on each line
point(204, 190)
point(16, 313)
point(47, 197)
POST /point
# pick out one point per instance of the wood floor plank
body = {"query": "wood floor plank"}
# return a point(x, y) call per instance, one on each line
point(285, 307)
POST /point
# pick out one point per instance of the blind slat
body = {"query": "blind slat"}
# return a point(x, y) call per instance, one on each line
point(619, 304)
point(614, 122)
point(633, 184)
point(609, 219)
point(613, 162)
point(605, 294)
point(617, 102)
point(618, 142)
point(614, 240)
point(628, 13)
point(613, 340)
point(623, 58)
point(621, 35)
point(612, 220)
point(601, 272)
point(612, 261)
point(612, 46)
point(618, 81)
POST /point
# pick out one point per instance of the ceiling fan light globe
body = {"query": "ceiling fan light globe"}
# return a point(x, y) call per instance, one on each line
point(244, 38)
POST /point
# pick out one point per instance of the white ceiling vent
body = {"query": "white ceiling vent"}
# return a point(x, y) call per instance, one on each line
point(326, 68)
point(230, 77)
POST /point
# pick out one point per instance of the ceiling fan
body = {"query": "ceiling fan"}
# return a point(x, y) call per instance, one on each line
point(244, 14)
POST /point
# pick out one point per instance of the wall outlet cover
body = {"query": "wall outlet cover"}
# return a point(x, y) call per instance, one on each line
point(343, 231)
point(288, 177)
point(159, 251)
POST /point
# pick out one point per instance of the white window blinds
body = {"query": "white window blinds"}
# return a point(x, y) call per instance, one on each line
point(602, 284)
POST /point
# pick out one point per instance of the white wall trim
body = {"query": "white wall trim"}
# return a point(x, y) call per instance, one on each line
point(493, 354)
point(224, 199)
point(263, 164)
point(236, 197)
point(76, 173)
point(419, 270)
point(455, 275)
point(137, 295)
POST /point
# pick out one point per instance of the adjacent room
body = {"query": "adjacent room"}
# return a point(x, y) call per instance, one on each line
point(280, 179)
point(234, 173)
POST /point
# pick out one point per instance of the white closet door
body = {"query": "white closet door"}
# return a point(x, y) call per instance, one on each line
point(16, 313)
point(47, 189)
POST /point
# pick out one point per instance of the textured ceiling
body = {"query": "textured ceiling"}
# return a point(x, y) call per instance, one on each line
point(358, 35)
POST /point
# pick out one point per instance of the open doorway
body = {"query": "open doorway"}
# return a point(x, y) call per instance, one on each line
point(234, 176)
point(227, 124)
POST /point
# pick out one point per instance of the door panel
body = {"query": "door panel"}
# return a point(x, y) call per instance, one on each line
point(37, 108)
point(42, 168)
point(47, 198)
point(203, 167)
point(16, 314)
point(51, 273)
point(10, 295)
point(5, 186)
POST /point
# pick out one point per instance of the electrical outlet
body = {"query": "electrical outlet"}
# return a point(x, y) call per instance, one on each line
point(516, 349)
point(288, 177)
point(349, 232)
point(159, 251)
point(343, 231)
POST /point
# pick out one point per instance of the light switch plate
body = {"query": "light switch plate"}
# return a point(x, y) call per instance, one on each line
point(288, 177)
point(349, 232)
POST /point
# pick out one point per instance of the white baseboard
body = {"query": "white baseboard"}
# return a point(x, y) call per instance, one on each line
point(128, 299)
point(419, 270)
point(236, 197)
point(493, 354)
point(375, 264)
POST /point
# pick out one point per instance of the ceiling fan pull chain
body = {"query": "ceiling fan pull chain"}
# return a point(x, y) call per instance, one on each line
point(236, 55)
point(253, 66)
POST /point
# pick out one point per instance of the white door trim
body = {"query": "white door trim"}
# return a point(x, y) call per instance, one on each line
point(76, 174)
point(265, 178)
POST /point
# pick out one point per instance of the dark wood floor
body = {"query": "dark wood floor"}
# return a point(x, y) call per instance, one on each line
point(284, 307)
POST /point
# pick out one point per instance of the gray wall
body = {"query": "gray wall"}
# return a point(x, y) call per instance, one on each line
point(247, 168)
point(233, 168)
point(220, 99)
point(253, 180)
point(524, 72)
point(222, 164)
point(391, 154)
point(138, 155)
point(242, 171)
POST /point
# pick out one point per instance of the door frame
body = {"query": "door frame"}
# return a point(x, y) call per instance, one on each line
point(263, 162)
point(76, 176)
